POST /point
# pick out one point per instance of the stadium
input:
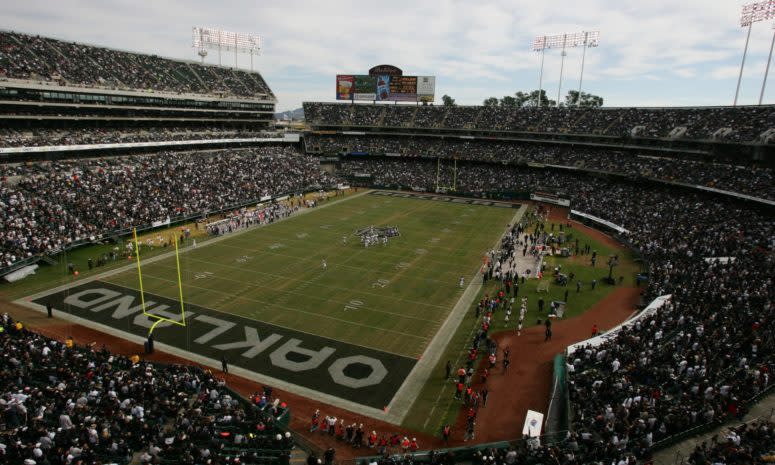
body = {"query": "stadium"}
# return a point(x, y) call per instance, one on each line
point(189, 278)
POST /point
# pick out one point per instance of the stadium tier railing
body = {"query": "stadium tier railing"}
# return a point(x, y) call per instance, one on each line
point(132, 145)
point(710, 190)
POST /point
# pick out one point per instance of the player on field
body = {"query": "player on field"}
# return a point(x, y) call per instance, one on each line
point(325, 264)
point(462, 281)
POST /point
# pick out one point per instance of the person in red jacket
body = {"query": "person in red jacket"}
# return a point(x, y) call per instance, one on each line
point(446, 432)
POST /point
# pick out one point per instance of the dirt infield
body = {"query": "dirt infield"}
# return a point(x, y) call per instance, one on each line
point(525, 386)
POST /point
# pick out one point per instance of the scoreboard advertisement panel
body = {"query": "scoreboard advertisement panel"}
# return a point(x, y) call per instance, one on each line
point(403, 88)
point(426, 88)
point(385, 87)
point(345, 84)
point(365, 88)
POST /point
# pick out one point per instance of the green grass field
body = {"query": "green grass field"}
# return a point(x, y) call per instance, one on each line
point(392, 298)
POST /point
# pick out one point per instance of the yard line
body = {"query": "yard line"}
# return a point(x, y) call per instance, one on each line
point(343, 289)
point(394, 244)
point(270, 304)
point(402, 257)
point(326, 299)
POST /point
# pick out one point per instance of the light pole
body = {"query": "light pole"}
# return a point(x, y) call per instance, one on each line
point(753, 13)
point(578, 39)
point(767, 69)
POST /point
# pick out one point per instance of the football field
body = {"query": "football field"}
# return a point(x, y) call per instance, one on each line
point(392, 298)
point(263, 298)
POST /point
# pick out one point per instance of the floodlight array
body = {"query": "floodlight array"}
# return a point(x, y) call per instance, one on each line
point(217, 39)
point(577, 39)
point(755, 12)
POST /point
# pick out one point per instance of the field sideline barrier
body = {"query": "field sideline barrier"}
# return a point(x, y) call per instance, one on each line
point(132, 145)
point(615, 227)
point(652, 308)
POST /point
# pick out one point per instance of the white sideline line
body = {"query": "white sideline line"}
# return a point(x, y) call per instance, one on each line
point(404, 396)
point(411, 387)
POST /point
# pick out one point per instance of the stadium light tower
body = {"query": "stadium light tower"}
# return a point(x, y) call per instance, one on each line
point(579, 39)
point(753, 13)
point(217, 39)
point(767, 68)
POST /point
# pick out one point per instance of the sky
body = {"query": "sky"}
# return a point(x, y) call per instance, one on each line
point(651, 52)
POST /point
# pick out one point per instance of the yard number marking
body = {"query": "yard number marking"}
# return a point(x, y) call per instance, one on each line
point(353, 305)
point(380, 283)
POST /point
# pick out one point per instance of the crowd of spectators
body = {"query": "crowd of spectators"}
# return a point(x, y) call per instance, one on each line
point(66, 404)
point(25, 56)
point(746, 123)
point(699, 359)
point(753, 180)
point(54, 204)
point(752, 443)
point(38, 137)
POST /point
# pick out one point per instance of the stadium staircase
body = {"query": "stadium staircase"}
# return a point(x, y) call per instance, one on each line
point(381, 118)
point(578, 120)
point(440, 124)
point(679, 453)
point(475, 122)
point(240, 81)
point(410, 122)
point(540, 124)
point(189, 74)
point(612, 123)
point(201, 70)
point(259, 82)
point(298, 457)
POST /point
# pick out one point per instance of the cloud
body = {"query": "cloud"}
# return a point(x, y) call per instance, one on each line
point(470, 47)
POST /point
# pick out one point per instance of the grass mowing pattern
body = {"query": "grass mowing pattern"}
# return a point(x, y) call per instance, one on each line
point(392, 298)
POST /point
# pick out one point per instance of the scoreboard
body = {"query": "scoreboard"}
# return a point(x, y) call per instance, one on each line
point(385, 87)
